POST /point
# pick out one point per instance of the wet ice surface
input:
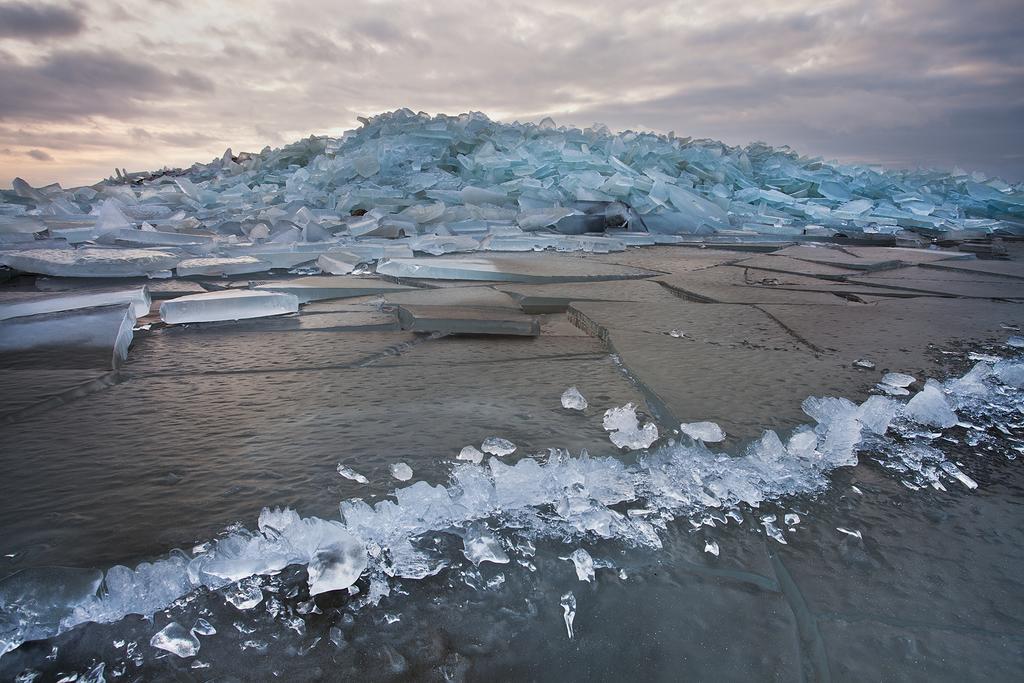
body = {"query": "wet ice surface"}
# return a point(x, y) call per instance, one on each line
point(680, 521)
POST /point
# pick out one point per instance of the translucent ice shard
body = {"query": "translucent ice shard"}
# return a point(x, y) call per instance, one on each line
point(850, 532)
point(1016, 341)
point(711, 547)
point(930, 407)
point(176, 639)
point(244, 595)
point(495, 445)
point(400, 471)
point(471, 454)
point(768, 522)
point(350, 473)
point(625, 428)
point(864, 363)
point(227, 305)
point(203, 628)
point(572, 399)
point(584, 564)
point(898, 379)
point(33, 304)
point(791, 519)
point(568, 604)
point(481, 545)
point(703, 431)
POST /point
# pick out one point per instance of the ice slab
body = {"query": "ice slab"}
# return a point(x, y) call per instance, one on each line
point(16, 304)
point(507, 268)
point(70, 338)
point(176, 639)
point(339, 262)
point(841, 257)
point(466, 320)
point(227, 305)
point(323, 288)
point(237, 265)
point(90, 262)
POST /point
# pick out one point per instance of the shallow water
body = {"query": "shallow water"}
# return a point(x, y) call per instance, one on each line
point(929, 590)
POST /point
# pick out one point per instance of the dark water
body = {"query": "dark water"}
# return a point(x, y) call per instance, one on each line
point(201, 433)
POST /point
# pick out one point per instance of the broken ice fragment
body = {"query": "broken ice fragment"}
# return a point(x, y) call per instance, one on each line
point(625, 428)
point(350, 473)
point(955, 472)
point(495, 445)
point(236, 265)
point(568, 603)
point(1016, 342)
point(480, 545)
point(711, 547)
point(174, 638)
point(82, 336)
point(864, 363)
point(898, 379)
point(90, 262)
point(849, 532)
point(338, 561)
point(245, 594)
point(703, 431)
point(791, 519)
point(584, 564)
point(678, 334)
point(227, 305)
point(930, 407)
point(572, 399)
point(203, 628)
point(400, 471)
point(768, 522)
point(470, 453)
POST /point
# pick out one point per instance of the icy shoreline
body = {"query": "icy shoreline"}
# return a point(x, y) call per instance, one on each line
point(562, 497)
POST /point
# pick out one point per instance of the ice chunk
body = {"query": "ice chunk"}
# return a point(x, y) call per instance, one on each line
point(339, 558)
point(227, 305)
point(568, 603)
point(864, 363)
point(625, 428)
point(322, 288)
point(339, 262)
point(81, 337)
point(495, 445)
point(584, 564)
point(400, 471)
point(176, 639)
point(703, 431)
point(470, 453)
point(791, 519)
point(480, 545)
point(1016, 341)
point(203, 628)
point(930, 407)
point(34, 602)
point(90, 262)
point(14, 306)
point(850, 532)
point(711, 547)
point(1010, 373)
point(245, 594)
point(572, 399)
point(236, 265)
point(898, 379)
point(768, 522)
point(350, 473)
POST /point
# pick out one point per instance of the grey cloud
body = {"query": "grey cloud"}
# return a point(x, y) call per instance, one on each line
point(74, 84)
point(31, 21)
point(39, 155)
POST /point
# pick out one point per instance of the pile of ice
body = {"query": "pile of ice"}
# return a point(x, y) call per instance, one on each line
point(463, 183)
point(498, 509)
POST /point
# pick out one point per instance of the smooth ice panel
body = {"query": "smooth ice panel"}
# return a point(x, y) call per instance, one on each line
point(33, 304)
point(227, 305)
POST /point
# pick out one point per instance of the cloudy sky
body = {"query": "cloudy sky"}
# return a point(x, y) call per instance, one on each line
point(93, 84)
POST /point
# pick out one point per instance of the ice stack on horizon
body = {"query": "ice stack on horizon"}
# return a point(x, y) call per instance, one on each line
point(408, 183)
